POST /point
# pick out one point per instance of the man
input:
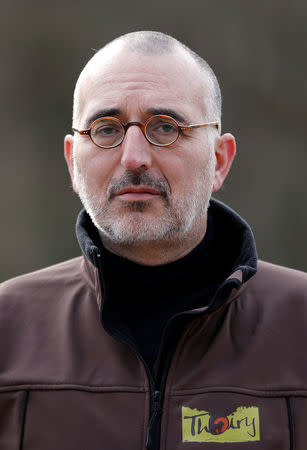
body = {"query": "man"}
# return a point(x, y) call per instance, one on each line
point(164, 334)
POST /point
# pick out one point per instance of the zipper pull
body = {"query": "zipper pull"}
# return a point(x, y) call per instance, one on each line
point(153, 430)
point(156, 400)
point(97, 258)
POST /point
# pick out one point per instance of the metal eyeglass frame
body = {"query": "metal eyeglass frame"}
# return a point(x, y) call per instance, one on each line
point(143, 126)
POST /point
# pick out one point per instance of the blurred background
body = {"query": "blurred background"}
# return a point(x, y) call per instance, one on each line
point(258, 51)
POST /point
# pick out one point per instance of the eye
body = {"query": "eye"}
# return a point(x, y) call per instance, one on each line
point(161, 131)
point(167, 128)
point(163, 127)
point(106, 130)
point(107, 133)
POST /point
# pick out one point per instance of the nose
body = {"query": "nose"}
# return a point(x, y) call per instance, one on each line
point(136, 151)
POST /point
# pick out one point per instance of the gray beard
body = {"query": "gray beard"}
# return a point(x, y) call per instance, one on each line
point(130, 225)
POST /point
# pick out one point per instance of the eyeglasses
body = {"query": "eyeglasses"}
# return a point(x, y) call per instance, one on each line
point(160, 130)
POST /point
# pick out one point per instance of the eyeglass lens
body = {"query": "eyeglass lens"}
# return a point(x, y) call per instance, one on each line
point(161, 131)
point(108, 133)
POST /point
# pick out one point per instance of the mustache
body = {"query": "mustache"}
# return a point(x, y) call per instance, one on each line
point(136, 178)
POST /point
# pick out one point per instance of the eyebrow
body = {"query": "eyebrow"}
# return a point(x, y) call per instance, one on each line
point(167, 112)
point(153, 111)
point(102, 113)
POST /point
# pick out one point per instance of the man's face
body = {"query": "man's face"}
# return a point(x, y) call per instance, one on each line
point(138, 192)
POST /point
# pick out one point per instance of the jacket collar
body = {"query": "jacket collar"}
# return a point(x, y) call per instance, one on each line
point(245, 263)
point(237, 230)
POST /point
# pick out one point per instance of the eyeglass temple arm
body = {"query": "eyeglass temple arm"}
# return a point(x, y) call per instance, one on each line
point(82, 131)
point(210, 124)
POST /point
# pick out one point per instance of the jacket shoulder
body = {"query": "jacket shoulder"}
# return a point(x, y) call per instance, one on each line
point(278, 286)
point(281, 277)
point(50, 278)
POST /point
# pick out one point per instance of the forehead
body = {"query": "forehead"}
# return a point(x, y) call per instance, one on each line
point(134, 83)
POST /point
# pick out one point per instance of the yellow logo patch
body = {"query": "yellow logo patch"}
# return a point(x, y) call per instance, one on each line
point(202, 426)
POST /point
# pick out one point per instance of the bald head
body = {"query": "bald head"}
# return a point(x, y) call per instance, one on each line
point(154, 44)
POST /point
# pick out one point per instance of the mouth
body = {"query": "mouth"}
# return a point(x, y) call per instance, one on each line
point(137, 193)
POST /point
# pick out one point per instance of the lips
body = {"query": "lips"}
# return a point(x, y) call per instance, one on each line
point(137, 193)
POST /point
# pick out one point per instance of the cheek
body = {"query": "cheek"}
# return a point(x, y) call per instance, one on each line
point(184, 175)
point(172, 168)
point(96, 168)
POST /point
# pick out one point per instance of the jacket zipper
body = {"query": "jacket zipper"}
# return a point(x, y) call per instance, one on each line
point(153, 429)
point(166, 353)
point(156, 391)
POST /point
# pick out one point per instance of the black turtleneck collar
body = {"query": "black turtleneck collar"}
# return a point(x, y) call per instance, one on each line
point(233, 231)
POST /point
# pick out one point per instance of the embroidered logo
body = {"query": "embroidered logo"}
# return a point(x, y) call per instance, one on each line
point(242, 425)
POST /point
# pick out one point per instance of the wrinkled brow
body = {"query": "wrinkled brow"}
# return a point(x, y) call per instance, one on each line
point(152, 111)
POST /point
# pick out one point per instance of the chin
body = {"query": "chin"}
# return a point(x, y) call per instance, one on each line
point(137, 229)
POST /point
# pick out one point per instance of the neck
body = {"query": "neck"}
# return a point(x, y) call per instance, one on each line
point(155, 253)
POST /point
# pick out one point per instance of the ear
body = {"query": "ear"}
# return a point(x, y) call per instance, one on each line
point(68, 153)
point(225, 150)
